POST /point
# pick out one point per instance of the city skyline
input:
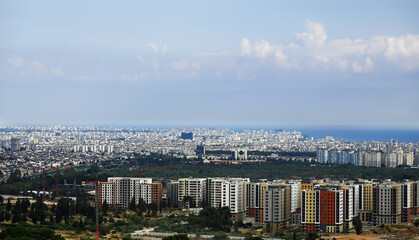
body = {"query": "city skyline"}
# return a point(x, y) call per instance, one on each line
point(210, 64)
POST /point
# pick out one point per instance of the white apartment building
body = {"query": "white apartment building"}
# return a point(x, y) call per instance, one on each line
point(193, 187)
point(228, 192)
point(127, 188)
point(106, 191)
point(237, 197)
point(218, 192)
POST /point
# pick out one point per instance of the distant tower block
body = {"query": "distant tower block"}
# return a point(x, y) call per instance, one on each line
point(240, 154)
point(15, 144)
point(187, 135)
point(200, 150)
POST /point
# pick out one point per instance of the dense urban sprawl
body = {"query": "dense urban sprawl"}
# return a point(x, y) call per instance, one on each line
point(31, 149)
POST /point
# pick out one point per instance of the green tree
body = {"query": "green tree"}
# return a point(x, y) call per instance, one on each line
point(25, 205)
point(32, 214)
point(357, 224)
point(132, 206)
point(312, 236)
point(8, 205)
point(94, 169)
point(105, 208)
point(268, 228)
point(218, 219)
point(153, 207)
point(7, 216)
point(58, 216)
point(15, 177)
point(16, 212)
point(142, 206)
point(81, 225)
point(40, 208)
point(29, 233)
point(236, 227)
point(254, 238)
point(189, 200)
point(177, 237)
point(220, 236)
point(279, 234)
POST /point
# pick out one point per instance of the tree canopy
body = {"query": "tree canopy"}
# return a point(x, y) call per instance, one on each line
point(28, 233)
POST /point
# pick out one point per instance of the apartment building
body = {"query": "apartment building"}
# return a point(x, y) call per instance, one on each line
point(107, 193)
point(193, 187)
point(218, 192)
point(322, 210)
point(150, 192)
point(386, 204)
point(277, 206)
point(415, 198)
point(406, 201)
point(119, 191)
point(365, 203)
point(348, 205)
point(255, 200)
point(172, 193)
point(228, 192)
point(238, 197)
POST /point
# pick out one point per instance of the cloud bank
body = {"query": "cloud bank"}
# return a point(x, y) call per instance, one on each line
point(310, 51)
point(313, 50)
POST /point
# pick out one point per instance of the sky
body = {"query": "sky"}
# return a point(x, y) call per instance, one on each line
point(210, 63)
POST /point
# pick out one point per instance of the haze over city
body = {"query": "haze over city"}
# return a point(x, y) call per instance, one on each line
point(236, 63)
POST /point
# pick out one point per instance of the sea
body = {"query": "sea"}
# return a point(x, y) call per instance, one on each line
point(361, 134)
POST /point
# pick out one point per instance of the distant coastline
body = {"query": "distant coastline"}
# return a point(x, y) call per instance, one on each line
point(362, 134)
point(352, 134)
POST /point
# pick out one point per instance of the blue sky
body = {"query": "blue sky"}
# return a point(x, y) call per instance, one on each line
point(214, 63)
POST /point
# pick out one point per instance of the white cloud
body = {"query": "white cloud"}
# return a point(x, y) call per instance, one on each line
point(164, 48)
point(282, 60)
point(180, 65)
point(57, 71)
point(141, 59)
point(364, 67)
point(404, 49)
point(246, 48)
point(209, 54)
point(313, 51)
point(315, 37)
point(280, 56)
point(345, 47)
point(34, 67)
point(342, 64)
point(263, 49)
point(16, 61)
point(196, 66)
point(157, 47)
point(38, 67)
point(154, 47)
point(129, 78)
